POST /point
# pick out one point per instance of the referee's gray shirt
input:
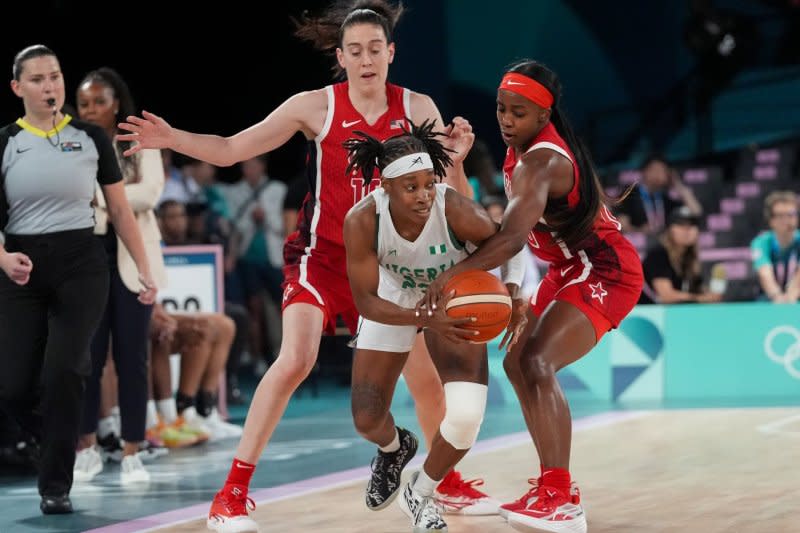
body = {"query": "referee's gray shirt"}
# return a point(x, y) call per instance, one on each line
point(48, 178)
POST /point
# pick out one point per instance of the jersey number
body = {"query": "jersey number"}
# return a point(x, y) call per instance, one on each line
point(360, 189)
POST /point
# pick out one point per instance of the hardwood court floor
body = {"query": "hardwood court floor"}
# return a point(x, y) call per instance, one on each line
point(705, 471)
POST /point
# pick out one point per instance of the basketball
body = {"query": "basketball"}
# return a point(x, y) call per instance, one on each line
point(481, 295)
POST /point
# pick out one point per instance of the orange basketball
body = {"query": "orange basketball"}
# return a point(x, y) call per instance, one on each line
point(481, 295)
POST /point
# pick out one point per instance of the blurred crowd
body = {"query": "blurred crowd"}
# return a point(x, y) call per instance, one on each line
point(718, 238)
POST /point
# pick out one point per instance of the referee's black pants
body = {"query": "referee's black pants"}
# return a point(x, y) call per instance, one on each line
point(45, 330)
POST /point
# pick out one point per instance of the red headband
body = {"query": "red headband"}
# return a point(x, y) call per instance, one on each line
point(527, 87)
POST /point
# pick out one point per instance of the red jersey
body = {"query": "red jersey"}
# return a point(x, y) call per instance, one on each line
point(545, 243)
point(603, 277)
point(332, 191)
point(315, 267)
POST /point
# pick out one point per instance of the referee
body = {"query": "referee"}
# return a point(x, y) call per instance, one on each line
point(56, 272)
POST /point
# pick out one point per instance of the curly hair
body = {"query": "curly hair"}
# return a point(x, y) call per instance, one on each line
point(368, 154)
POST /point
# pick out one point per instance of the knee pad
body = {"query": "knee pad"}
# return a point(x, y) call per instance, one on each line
point(465, 403)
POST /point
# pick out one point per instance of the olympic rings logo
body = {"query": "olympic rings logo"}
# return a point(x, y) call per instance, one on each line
point(791, 355)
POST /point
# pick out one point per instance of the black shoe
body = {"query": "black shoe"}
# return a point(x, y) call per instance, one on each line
point(110, 448)
point(383, 487)
point(56, 504)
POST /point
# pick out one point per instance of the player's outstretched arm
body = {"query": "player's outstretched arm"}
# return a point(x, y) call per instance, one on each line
point(295, 114)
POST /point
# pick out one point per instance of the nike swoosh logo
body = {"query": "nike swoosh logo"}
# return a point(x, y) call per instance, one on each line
point(509, 82)
point(565, 270)
point(23, 151)
point(240, 465)
point(346, 124)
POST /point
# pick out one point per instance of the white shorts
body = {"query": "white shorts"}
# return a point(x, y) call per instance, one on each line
point(385, 338)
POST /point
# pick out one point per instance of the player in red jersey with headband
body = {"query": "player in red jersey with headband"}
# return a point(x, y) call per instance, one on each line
point(557, 207)
point(316, 290)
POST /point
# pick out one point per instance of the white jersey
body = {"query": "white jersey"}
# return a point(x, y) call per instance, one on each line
point(407, 268)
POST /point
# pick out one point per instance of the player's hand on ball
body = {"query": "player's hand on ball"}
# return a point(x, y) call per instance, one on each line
point(453, 329)
point(519, 319)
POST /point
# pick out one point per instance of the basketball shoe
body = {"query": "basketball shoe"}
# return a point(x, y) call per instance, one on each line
point(424, 512)
point(229, 511)
point(528, 498)
point(384, 484)
point(456, 495)
point(550, 510)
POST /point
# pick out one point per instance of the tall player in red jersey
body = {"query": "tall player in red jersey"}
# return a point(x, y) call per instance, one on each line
point(557, 207)
point(316, 290)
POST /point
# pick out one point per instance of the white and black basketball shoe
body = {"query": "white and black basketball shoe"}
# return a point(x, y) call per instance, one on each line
point(384, 484)
point(425, 513)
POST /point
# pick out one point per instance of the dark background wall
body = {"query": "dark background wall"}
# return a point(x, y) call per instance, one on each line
point(223, 67)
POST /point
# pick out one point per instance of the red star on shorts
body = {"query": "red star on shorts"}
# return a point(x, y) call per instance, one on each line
point(598, 291)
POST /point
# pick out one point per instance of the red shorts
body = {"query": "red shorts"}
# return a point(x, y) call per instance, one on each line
point(320, 279)
point(605, 293)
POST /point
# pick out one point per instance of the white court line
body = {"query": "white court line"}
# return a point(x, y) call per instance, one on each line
point(348, 477)
point(776, 426)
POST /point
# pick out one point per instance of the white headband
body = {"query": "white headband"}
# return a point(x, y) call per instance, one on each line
point(408, 163)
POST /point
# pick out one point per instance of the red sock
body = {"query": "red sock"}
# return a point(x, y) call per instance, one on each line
point(240, 473)
point(557, 478)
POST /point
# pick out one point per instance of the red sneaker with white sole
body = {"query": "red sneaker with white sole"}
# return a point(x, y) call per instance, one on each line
point(526, 499)
point(229, 511)
point(459, 496)
point(521, 502)
point(551, 510)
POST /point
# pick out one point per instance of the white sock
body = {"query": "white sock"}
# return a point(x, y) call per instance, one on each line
point(424, 485)
point(105, 427)
point(152, 415)
point(168, 410)
point(392, 446)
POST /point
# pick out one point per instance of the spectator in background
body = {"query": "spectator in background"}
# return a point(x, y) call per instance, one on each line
point(179, 183)
point(203, 341)
point(211, 193)
point(776, 252)
point(648, 208)
point(483, 176)
point(672, 269)
point(173, 221)
point(256, 202)
point(103, 98)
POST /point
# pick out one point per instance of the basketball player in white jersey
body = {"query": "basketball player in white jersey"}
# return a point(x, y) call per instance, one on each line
point(358, 33)
point(398, 239)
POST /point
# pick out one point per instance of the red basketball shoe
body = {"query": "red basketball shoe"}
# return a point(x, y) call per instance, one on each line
point(521, 502)
point(228, 513)
point(551, 510)
point(528, 498)
point(459, 496)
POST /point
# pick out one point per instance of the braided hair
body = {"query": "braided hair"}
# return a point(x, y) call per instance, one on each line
point(368, 154)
